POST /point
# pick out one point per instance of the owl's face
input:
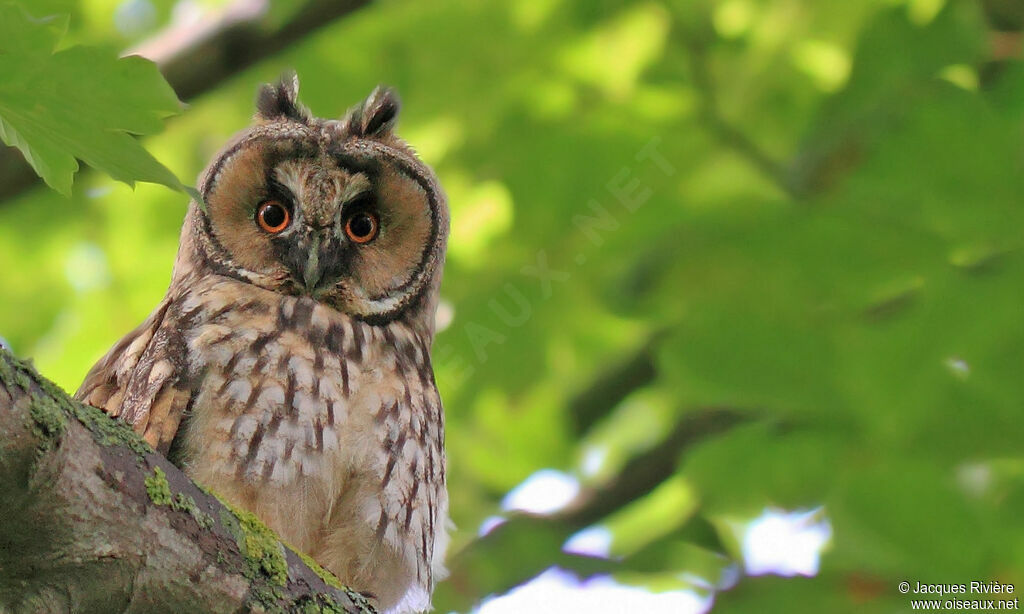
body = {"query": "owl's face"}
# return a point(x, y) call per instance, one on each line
point(338, 210)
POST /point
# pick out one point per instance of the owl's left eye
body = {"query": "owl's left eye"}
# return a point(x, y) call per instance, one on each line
point(273, 217)
point(362, 227)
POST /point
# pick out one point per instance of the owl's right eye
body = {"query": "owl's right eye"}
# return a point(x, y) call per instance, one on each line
point(273, 217)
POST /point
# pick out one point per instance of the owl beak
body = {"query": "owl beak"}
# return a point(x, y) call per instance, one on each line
point(313, 270)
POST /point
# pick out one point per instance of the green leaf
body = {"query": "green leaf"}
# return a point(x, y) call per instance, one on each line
point(760, 465)
point(81, 102)
point(905, 518)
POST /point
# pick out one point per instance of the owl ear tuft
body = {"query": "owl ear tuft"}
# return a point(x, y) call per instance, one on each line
point(377, 114)
point(280, 100)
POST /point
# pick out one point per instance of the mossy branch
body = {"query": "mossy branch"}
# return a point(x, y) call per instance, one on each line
point(96, 521)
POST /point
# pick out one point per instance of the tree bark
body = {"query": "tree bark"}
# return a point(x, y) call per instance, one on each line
point(195, 58)
point(93, 520)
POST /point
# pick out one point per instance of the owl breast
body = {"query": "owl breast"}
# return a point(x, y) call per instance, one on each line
point(327, 428)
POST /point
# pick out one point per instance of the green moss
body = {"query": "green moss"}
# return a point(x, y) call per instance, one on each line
point(318, 604)
point(256, 541)
point(48, 415)
point(160, 492)
point(265, 598)
point(14, 372)
point(230, 522)
point(264, 554)
point(310, 607)
point(256, 546)
point(361, 601)
point(326, 604)
point(51, 406)
point(48, 420)
point(185, 503)
point(109, 431)
point(158, 488)
point(262, 546)
point(328, 578)
point(204, 520)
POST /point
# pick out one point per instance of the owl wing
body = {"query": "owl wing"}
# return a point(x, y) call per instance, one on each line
point(143, 380)
point(413, 497)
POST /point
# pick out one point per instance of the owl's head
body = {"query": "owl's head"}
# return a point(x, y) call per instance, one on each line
point(338, 210)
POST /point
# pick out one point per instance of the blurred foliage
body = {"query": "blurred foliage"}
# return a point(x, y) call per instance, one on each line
point(79, 102)
point(805, 213)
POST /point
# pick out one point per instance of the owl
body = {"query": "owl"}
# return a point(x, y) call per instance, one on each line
point(288, 367)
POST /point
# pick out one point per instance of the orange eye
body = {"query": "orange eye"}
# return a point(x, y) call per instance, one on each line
point(273, 217)
point(362, 227)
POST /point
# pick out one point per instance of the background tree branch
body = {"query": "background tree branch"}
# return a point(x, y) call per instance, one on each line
point(526, 544)
point(196, 57)
point(95, 521)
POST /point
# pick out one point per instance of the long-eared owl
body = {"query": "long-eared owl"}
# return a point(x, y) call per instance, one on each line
point(288, 367)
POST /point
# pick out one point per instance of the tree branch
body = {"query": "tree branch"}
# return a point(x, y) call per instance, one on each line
point(722, 129)
point(196, 57)
point(95, 521)
point(611, 386)
point(526, 544)
point(644, 472)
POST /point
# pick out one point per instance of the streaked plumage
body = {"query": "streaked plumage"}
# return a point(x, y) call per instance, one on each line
point(289, 371)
